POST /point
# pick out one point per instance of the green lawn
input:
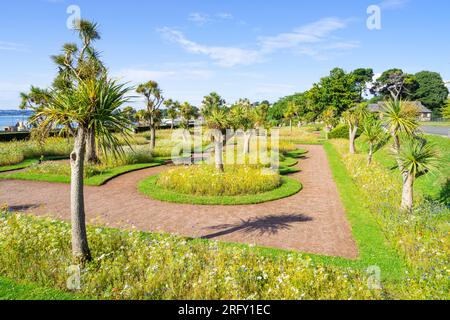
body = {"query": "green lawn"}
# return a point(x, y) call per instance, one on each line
point(10, 290)
point(97, 180)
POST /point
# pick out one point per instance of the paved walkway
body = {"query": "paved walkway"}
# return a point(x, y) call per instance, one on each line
point(312, 221)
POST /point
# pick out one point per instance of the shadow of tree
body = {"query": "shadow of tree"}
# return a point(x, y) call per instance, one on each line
point(23, 207)
point(268, 225)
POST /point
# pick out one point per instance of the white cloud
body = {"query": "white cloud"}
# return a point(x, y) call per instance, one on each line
point(139, 75)
point(313, 39)
point(311, 33)
point(223, 56)
point(199, 18)
point(225, 16)
point(11, 46)
point(393, 4)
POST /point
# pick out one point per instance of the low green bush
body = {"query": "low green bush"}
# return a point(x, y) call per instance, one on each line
point(134, 265)
point(342, 131)
point(205, 180)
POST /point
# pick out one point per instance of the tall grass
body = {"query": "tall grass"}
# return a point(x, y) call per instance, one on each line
point(15, 152)
point(303, 135)
point(422, 238)
point(62, 168)
point(204, 180)
point(132, 265)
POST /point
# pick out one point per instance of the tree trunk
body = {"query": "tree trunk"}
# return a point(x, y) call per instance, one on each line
point(396, 144)
point(370, 154)
point(353, 132)
point(218, 150)
point(291, 125)
point(408, 193)
point(153, 141)
point(80, 248)
point(247, 139)
point(91, 147)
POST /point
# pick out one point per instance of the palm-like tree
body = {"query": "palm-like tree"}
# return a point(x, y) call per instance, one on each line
point(77, 65)
point(187, 113)
point(354, 117)
point(416, 158)
point(154, 99)
point(218, 122)
point(210, 103)
point(173, 108)
point(374, 134)
point(261, 114)
point(399, 121)
point(290, 113)
point(243, 118)
point(93, 103)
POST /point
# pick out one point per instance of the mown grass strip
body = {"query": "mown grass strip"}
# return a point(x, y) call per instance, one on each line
point(373, 246)
point(11, 290)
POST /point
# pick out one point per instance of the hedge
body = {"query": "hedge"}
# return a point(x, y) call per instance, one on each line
point(20, 136)
point(342, 132)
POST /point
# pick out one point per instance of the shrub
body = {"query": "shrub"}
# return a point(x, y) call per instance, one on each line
point(133, 265)
point(342, 132)
point(204, 180)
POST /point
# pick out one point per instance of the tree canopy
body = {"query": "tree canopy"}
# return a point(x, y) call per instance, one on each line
point(431, 90)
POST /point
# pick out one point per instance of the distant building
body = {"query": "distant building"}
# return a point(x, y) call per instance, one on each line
point(425, 114)
point(8, 129)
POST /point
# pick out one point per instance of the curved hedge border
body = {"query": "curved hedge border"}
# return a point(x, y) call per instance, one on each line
point(150, 188)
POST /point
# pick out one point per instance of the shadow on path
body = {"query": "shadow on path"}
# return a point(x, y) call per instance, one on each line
point(268, 225)
point(22, 208)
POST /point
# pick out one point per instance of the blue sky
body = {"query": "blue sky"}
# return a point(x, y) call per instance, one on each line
point(254, 49)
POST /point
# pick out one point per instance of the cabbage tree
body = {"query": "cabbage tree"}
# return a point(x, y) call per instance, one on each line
point(374, 135)
point(93, 103)
point(354, 118)
point(416, 158)
point(242, 117)
point(153, 100)
point(218, 122)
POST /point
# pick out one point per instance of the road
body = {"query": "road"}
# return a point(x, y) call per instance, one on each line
point(442, 131)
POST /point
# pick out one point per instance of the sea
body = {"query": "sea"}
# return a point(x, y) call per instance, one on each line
point(12, 117)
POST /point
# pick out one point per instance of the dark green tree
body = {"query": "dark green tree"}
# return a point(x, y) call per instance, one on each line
point(431, 90)
point(362, 78)
point(338, 90)
point(395, 84)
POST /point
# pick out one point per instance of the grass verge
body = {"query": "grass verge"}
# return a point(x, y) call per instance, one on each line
point(150, 188)
point(11, 290)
